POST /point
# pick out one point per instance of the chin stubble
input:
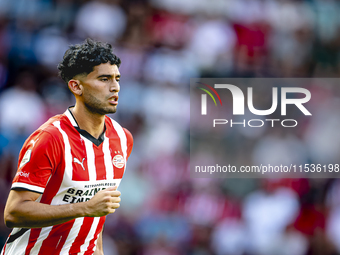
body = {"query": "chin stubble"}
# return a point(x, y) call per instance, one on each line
point(96, 106)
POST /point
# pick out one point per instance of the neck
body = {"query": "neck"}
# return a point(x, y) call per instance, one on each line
point(91, 122)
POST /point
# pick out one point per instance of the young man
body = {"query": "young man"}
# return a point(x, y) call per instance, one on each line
point(69, 169)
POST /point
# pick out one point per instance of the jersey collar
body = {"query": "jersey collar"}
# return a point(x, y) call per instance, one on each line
point(83, 132)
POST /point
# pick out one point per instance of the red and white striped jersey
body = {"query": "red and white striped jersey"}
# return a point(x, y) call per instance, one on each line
point(67, 165)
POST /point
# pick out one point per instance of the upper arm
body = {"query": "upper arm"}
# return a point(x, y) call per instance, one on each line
point(16, 197)
point(15, 201)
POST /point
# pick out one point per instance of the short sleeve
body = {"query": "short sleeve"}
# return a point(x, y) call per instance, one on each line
point(129, 139)
point(38, 160)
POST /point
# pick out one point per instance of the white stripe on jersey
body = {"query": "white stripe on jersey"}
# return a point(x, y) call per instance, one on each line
point(122, 137)
point(42, 236)
point(70, 117)
point(72, 235)
point(27, 186)
point(68, 163)
point(107, 159)
point(91, 164)
point(90, 235)
point(68, 170)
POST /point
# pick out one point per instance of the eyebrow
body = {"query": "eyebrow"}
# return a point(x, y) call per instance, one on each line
point(108, 76)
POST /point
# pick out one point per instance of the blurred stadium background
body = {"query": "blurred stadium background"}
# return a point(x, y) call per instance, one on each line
point(162, 43)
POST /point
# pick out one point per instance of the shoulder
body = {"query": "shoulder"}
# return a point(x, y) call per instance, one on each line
point(50, 127)
point(115, 125)
point(119, 129)
point(128, 135)
point(50, 132)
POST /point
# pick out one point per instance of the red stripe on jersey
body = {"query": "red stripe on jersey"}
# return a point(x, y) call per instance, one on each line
point(99, 161)
point(56, 238)
point(115, 149)
point(79, 158)
point(4, 249)
point(35, 232)
point(53, 186)
point(95, 237)
point(83, 232)
point(56, 179)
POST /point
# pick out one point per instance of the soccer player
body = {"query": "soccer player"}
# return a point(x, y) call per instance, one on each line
point(70, 167)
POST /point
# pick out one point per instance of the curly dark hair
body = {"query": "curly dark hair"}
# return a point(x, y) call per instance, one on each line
point(82, 58)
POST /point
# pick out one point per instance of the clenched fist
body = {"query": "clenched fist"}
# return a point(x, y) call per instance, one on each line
point(103, 203)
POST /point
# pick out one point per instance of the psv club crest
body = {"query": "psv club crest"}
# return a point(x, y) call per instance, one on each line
point(118, 161)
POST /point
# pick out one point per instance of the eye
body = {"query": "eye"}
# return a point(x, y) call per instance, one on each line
point(104, 79)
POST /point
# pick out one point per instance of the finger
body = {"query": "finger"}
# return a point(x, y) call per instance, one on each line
point(111, 188)
point(115, 199)
point(115, 193)
point(115, 205)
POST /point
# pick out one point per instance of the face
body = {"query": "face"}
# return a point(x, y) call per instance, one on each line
point(100, 89)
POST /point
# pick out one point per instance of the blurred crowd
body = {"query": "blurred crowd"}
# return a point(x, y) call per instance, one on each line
point(162, 44)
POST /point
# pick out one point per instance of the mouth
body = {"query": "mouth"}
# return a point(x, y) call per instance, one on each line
point(113, 100)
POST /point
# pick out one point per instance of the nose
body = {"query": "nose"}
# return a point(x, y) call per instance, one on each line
point(114, 86)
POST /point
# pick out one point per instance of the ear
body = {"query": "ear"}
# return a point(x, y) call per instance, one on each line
point(75, 87)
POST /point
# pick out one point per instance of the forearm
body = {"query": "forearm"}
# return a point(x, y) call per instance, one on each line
point(23, 211)
point(36, 215)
